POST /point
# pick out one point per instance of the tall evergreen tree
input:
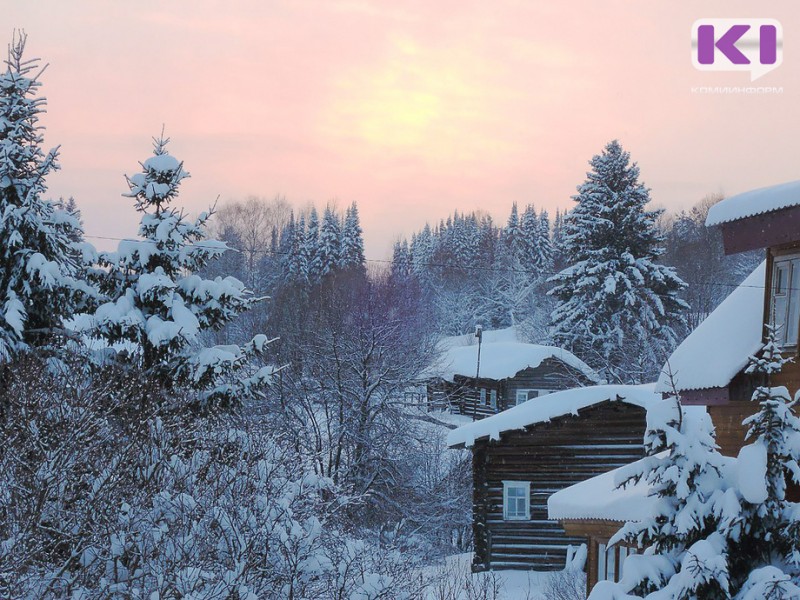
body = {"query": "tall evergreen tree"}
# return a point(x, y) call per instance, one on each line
point(616, 305)
point(401, 261)
point(311, 247)
point(528, 240)
point(158, 306)
point(511, 233)
point(544, 245)
point(352, 241)
point(40, 249)
point(330, 242)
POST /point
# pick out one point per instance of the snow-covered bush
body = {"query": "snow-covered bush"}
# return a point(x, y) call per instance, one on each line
point(97, 505)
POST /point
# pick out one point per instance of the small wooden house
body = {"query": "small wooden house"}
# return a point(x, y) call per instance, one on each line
point(525, 454)
point(503, 375)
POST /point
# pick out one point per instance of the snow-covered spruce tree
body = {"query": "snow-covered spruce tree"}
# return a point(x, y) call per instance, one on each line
point(772, 527)
point(352, 241)
point(544, 247)
point(158, 306)
point(41, 248)
point(528, 241)
point(616, 305)
point(401, 261)
point(330, 249)
point(311, 246)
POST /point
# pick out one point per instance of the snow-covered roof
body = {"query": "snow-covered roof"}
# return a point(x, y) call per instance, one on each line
point(722, 344)
point(501, 360)
point(551, 406)
point(600, 498)
point(754, 202)
point(490, 336)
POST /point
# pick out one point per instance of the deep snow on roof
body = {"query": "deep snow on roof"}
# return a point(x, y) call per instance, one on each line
point(754, 202)
point(600, 498)
point(490, 336)
point(722, 344)
point(501, 360)
point(551, 406)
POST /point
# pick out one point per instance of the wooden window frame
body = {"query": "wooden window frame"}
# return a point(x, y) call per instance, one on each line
point(539, 393)
point(526, 485)
point(780, 254)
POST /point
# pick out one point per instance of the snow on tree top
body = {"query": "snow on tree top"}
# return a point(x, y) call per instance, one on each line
point(551, 406)
point(722, 344)
point(754, 202)
point(163, 163)
point(501, 360)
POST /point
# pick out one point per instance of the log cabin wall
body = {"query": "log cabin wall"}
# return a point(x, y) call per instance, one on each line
point(552, 456)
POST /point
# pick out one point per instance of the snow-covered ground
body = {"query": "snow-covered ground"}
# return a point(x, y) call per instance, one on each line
point(459, 583)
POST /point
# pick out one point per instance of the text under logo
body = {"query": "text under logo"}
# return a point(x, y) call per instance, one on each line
point(754, 45)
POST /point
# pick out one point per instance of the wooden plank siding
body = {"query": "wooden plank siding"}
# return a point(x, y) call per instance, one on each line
point(462, 395)
point(552, 456)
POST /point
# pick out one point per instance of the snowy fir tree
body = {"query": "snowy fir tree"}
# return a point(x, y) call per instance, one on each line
point(352, 243)
point(401, 261)
point(528, 240)
point(158, 306)
point(511, 233)
point(544, 247)
point(299, 257)
point(771, 458)
point(616, 306)
point(311, 247)
point(40, 244)
point(330, 249)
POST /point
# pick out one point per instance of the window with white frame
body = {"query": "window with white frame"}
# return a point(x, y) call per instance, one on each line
point(516, 500)
point(526, 394)
point(493, 398)
point(483, 395)
point(610, 561)
point(785, 302)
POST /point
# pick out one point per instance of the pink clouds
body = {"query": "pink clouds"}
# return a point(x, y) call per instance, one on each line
point(412, 112)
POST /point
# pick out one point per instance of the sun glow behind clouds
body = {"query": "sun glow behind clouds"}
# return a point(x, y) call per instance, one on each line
point(419, 101)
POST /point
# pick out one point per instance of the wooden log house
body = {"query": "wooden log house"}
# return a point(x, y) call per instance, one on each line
point(509, 374)
point(523, 455)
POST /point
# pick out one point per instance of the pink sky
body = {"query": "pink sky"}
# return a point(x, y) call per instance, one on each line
point(411, 111)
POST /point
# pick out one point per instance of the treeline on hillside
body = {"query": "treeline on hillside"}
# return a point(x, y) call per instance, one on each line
point(468, 263)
